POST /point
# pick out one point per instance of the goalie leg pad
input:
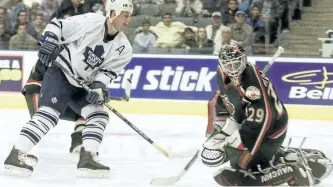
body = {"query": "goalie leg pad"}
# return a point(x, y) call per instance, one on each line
point(320, 165)
point(233, 177)
point(291, 174)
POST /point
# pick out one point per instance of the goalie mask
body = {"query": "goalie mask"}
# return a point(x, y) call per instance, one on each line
point(232, 61)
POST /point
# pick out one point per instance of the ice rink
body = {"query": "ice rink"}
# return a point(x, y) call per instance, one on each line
point(133, 161)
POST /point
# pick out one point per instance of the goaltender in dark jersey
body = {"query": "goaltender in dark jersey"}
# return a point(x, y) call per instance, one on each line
point(256, 107)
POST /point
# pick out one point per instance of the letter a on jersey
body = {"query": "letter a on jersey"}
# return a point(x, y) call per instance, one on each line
point(93, 58)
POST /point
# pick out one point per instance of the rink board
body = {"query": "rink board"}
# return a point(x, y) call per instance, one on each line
point(182, 84)
point(197, 108)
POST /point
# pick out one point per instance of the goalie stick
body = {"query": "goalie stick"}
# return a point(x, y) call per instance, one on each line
point(168, 181)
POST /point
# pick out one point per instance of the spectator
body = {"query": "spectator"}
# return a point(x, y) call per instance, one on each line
point(94, 6)
point(202, 39)
point(23, 20)
point(4, 20)
point(145, 40)
point(210, 6)
point(225, 39)
point(169, 33)
point(49, 7)
point(258, 24)
point(70, 7)
point(22, 40)
point(271, 10)
point(244, 5)
point(8, 4)
point(242, 32)
point(204, 45)
point(285, 16)
point(34, 10)
point(20, 6)
point(4, 37)
point(214, 30)
point(228, 16)
point(189, 39)
point(39, 25)
point(188, 8)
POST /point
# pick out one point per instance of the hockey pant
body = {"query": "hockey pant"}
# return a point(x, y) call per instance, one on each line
point(56, 94)
point(31, 92)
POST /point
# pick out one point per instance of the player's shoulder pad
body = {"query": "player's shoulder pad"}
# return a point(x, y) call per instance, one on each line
point(124, 44)
point(90, 17)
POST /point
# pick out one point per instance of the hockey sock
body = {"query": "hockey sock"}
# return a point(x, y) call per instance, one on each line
point(92, 134)
point(79, 125)
point(33, 131)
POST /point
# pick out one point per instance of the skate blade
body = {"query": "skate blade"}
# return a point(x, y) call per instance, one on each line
point(31, 161)
point(88, 173)
point(17, 171)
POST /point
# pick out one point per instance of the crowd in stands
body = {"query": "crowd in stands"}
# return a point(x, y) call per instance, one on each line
point(159, 26)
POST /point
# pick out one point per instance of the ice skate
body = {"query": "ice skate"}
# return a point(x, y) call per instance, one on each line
point(16, 165)
point(76, 143)
point(31, 160)
point(89, 167)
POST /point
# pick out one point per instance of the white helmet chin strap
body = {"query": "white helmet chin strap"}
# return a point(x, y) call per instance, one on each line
point(111, 22)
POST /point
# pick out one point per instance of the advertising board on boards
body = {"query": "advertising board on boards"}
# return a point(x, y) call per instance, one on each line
point(11, 73)
point(299, 82)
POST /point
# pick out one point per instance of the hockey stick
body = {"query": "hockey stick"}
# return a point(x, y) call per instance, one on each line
point(306, 164)
point(275, 56)
point(168, 181)
point(85, 86)
point(127, 95)
point(172, 180)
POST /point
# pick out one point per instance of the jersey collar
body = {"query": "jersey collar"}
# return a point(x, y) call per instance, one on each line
point(107, 38)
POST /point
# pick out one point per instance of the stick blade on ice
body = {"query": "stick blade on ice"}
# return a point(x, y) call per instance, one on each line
point(165, 181)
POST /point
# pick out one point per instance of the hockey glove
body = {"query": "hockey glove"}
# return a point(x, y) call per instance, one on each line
point(99, 93)
point(213, 153)
point(49, 50)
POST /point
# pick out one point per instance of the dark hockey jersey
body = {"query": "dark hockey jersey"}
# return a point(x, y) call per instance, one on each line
point(35, 79)
point(38, 71)
point(255, 105)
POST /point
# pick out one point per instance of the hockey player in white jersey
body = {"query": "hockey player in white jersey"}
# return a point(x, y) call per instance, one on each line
point(94, 49)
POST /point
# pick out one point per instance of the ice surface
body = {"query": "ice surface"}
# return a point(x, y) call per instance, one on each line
point(133, 161)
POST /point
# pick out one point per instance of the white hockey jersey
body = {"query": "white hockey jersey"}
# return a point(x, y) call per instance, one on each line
point(88, 53)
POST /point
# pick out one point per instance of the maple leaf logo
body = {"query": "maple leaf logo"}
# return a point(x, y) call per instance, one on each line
point(93, 58)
